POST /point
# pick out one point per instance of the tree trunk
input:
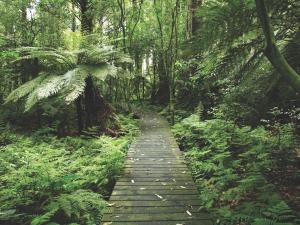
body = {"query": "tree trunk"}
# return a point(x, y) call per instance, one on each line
point(96, 111)
point(90, 103)
point(196, 20)
point(162, 95)
point(121, 4)
point(86, 17)
point(79, 111)
point(193, 21)
point(272, 52)
point(153, 91)
point(73, 28)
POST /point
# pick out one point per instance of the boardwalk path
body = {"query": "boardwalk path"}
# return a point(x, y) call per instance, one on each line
point(156, 188)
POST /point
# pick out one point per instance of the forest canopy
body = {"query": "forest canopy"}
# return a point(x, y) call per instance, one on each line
point(75, 75)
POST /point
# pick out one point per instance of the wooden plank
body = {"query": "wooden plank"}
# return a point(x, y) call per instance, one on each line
point(158, 179)
point(172, 155)
point(143, 155)
point(178, 222)
point(153, 197)
point(152, 217)
point(185, 203)
point(171, 164)
point(167, 166)
point(159, 187)
point(155, 161)
point(146, 191)
point(156, 170)
point(152, 210)
point(157, 175)
point(154, 183)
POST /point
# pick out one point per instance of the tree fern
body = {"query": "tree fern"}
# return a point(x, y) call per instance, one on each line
point(95, 62)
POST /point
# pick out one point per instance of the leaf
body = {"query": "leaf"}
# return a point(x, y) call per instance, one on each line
point(159, 196)
point(188, 212)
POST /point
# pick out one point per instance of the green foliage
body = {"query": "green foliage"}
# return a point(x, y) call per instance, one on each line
point(233, 166)
point(47, 179)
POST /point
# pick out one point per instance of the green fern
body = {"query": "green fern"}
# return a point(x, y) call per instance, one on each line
point(45, 218)
point(82, 205)
point(264, 221)
point(280, 213)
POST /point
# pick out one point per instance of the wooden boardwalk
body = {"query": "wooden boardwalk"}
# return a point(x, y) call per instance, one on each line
point(156, 188)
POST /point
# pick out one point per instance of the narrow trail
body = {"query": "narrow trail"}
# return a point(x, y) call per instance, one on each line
point(156, 187)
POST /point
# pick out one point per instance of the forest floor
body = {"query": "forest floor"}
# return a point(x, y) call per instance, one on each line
point(156, 187)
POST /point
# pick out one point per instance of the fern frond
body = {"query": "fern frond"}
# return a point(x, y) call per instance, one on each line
point(82, 202)
point(96, 55)
point(40, 220)
point(25, 89)
point(101, 71)
point(77, 84)
point(265, 221)
point(121, 57)
point(50, 86)
point(47, 54)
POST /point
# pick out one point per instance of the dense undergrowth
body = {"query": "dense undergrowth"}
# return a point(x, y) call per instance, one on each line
point(50, 180)
point(243, 173)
